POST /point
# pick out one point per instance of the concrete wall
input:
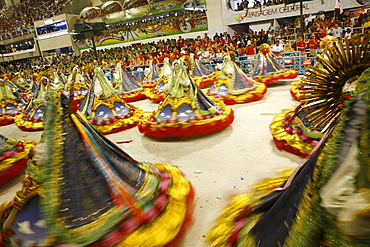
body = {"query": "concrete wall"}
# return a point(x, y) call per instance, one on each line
point(214, 16)
point(55, 42)
point(19, 55)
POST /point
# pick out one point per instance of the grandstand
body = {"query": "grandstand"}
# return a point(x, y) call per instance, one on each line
point(47, 35)
point(30, 33)
point(218, 165)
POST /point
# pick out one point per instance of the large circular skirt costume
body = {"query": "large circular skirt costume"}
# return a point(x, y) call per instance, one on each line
point(13, 157)
point(59, 80)
point(186, 111)
point(82, 190)
point(105, 110)
point(150, 80)
point(80, 85)
point(295, 91)
point(20, 81)
point(156, 93)
point(127, 88)
point(325, 90)
point(325, 202)
point(10, 105)
point(20, 84)
point(32, 117)
point(202, 75)
point(233, 86)
point(267, 70)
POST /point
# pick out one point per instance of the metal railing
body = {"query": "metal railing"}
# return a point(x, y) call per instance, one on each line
point(289, 60)
point(17, 33)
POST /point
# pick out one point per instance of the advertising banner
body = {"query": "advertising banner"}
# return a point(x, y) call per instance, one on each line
point(127, 33)
point(231, 17)
point(263, 13)
point(120, 31)
point(139, 9)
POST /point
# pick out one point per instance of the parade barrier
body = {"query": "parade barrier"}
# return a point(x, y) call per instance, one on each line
point(289, 60)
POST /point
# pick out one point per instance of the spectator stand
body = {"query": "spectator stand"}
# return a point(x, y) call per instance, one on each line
point(18, 19)
point(16, 33)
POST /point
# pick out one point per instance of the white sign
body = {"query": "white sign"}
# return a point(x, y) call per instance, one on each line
point(49, 22)
point(231, 17)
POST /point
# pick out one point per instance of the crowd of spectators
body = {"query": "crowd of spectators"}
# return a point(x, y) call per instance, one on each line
point(20, 17)
point(215, 47)
point(138, 56)
point(321, 24)
point(253, 4)
point(131, 56)
point(316, 26)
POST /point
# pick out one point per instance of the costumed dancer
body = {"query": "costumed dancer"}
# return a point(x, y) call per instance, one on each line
point(20, 87)
point(267, 70)
point(156, 94)
point(20, 84)
point(31, 118)
point(10, 105)
point(202, 75)
point(82, 190)
point(59, 80)
point(186, 111)
point(105, 110)
point(29, 93)
point(20, 81)
point(13, 157)
point(325, 202)
point(150, 80)
point(295, 88)
point(233, 86)
point(298, 130)
point(126, 86)
point(81, 86)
